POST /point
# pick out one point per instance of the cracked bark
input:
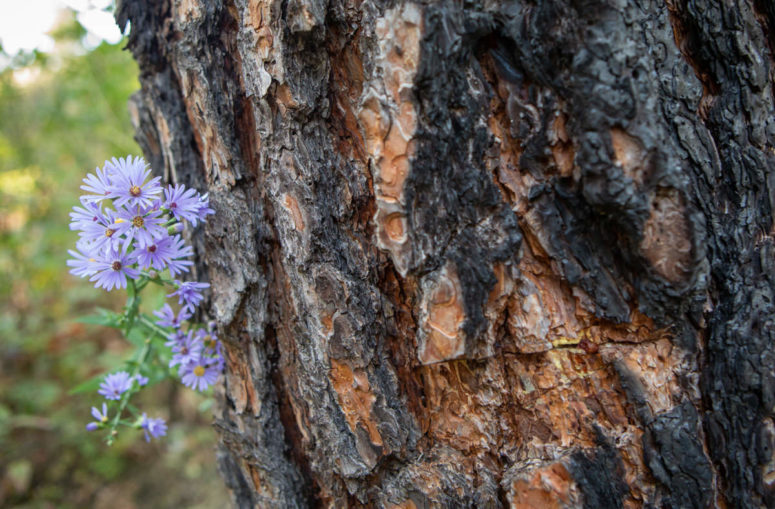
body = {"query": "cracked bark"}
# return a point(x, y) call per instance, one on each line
point(479, 253)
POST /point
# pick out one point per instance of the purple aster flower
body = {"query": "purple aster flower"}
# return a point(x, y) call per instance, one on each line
point(175, 338)
point(189, 292)
point(200, 374)
point(143, 224)
point(177, 264)
point(141, 380)
point(83, 264)
point(210, 342)
point(187, 351)
point(115, 385)
point(128, 185)
point(113, 268)
point(168, 318)
point(204, 209)
point(82, 216)
point(166, 251)
point(153, 427)
point(182, 202)
point(98, 231)
point(98, 184)
point(102, 418)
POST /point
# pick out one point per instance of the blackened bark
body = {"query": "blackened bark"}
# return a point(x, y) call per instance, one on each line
point(480, 254)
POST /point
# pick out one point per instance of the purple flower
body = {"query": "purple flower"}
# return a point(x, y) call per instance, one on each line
point(165, 251)
point(143, 224)
point(183, 203)
point(98, 184)
point(200, 374)
point(83, 265)
point(102, 417)
point(113, 268)
point(115, 385)
point(153, 427)
point(189, 293)
point(82, 216)
point(210, 341)
point(175, 338)
point(141, 380)
point(204, 209)
point(96, 228)
point(186, 351)
point(176, 264)
point(128, 182)
point(168, 318)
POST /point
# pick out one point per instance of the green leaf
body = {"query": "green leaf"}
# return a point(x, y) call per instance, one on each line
point(147, 322)
point(137, 336)
point(104, 317)
point(130, 292)
point(89, 385)
point(206, 405)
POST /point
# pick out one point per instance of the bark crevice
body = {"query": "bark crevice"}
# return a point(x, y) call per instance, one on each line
point(508, 246)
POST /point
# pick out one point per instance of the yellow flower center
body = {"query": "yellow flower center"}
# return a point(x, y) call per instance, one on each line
point(135, 191)
point(199, 371)
point(109, 232)
point(138, 221)
point(92, 260)
point(104, 418)
point(119, 220)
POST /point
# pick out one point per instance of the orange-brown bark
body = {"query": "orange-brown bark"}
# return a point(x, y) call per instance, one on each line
point(483, 256)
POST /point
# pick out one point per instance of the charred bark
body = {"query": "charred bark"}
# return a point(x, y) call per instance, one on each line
point(480, 253)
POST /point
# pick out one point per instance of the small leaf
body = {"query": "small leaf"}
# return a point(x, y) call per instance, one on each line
point(137, 336)
point(104, 317)
point(206, 405)
point(131, 291)
point(90, 385)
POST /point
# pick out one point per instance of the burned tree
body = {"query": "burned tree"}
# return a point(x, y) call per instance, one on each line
point(480, 253)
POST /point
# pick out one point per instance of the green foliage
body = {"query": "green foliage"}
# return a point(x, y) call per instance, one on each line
point(104, 317)
point(61, 115)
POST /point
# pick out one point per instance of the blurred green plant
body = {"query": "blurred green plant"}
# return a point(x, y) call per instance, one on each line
point(61, 114)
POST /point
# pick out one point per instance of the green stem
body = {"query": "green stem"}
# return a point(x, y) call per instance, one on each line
point(142, 282)
point(153, 327)
point(132, 307)
point(144, 353)
point(157, 279)
point(132, 314)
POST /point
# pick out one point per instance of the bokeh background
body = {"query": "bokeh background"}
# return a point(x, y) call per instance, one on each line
point(64, 84)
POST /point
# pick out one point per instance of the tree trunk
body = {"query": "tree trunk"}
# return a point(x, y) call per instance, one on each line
point(479, 253)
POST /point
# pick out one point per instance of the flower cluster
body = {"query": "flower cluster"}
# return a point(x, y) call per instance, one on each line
point(197, 352)
point(139, 232)
point(129, 229)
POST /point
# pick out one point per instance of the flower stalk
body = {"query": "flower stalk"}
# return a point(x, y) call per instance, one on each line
point(129, 236)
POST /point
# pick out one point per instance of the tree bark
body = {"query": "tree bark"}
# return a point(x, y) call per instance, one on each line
point(479, 253)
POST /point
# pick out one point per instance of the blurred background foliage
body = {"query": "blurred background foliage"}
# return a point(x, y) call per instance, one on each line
point(61, 114)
